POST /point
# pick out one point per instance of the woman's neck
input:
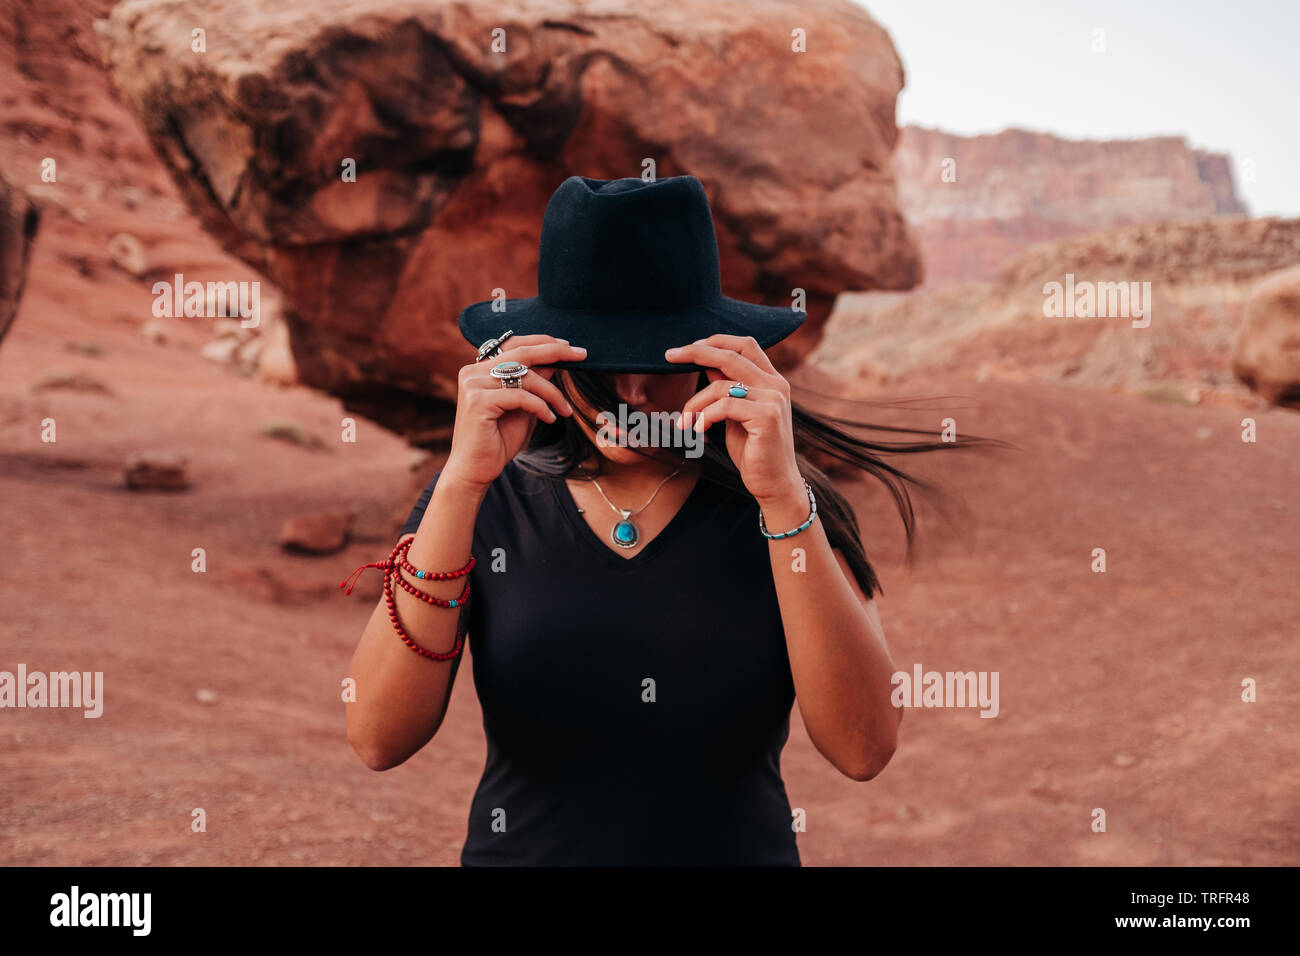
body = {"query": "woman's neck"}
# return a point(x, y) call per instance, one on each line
point(630, 475)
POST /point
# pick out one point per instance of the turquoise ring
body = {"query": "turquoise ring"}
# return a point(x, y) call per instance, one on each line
point(492, 347)
point(739, 390)
point(510, 374)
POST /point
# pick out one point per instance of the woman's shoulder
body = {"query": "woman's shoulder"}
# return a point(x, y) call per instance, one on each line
point(513, 478)
point(516, 480)
point(507, 493)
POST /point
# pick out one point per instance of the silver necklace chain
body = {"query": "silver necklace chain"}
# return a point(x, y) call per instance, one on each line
point(628, 514)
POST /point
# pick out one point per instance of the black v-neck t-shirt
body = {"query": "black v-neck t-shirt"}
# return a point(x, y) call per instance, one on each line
point(635, 708)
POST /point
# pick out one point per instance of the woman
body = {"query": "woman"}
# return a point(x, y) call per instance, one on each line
point(642, 618)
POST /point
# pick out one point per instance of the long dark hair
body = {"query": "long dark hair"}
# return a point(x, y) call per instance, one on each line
point(556, 450)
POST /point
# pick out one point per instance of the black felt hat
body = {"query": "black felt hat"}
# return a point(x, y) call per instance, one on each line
point(628, 269)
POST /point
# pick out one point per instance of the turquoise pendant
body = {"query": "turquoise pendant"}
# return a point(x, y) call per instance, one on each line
point(625, 533)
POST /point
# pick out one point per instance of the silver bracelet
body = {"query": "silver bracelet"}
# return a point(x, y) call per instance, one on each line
point(812, 516)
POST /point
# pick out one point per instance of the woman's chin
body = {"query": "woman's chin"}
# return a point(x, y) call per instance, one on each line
point(620, 455)
point(626, 454)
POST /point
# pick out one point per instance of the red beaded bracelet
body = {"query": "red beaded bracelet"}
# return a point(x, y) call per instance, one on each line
point(392, 567)
point(430, 575)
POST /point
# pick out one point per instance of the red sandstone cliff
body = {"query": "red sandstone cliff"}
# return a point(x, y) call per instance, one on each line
point(1016, 188)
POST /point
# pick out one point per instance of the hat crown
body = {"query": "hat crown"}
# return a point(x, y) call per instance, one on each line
point(618, 244)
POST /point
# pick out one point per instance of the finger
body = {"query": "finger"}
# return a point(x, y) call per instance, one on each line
point(515, 341)
point(746, 345)
point(502, 400)
point(731, 364)
point(745, 411)
point(533, 381)
point(721, 388)
point(510, 345)
point(546, 353)
point(540, 385)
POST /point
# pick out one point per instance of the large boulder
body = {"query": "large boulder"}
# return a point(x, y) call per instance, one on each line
point(19, 219)
point(458, 145)
point(1266, 355)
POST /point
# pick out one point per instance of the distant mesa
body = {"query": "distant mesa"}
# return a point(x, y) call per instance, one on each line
point(1016, 188)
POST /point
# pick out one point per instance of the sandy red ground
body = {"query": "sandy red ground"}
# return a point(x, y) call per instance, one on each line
point(1118, 690)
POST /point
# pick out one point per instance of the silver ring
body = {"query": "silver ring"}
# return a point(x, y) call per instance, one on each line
point(492, 347)
point(510, 374)
point(738, 390)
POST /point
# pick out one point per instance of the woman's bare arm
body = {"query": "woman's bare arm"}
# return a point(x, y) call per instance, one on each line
point(843, 674)
point(841, 665)
point(401, 696)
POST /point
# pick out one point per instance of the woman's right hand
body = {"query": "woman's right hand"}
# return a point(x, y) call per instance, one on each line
point(492, 421)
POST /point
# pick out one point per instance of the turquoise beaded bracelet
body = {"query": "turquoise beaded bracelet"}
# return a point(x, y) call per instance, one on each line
point(812, 515)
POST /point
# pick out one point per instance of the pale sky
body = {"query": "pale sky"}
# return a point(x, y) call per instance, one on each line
point(1226, 76)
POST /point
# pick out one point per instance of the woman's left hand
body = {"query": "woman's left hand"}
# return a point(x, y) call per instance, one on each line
point(760, 428)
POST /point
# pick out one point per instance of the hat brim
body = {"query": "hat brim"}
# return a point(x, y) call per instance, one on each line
point(630, 340)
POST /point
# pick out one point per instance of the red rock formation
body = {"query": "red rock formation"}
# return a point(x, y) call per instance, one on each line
point(1016, 188)
point(1201, 274)
point(317, 533)
point(1267, 352)
point(19, 219)
point(112, 221)
point(58, 104)
point(458, 148)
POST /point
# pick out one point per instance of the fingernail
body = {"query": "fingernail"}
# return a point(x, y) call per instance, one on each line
point(578, 348)
point(672, 353)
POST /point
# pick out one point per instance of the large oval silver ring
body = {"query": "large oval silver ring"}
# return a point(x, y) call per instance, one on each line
point(510, 374)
